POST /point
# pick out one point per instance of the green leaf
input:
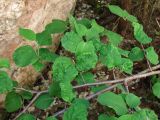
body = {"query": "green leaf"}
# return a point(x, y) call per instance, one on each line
point(145, 114)
point(80, 29)
point(15, 83)
point(64, 69)
point(27, 34)
point(105, 117)
point(54, 89)
point(84, 21)
point(26, 95)
point(94, 31)
point(152, 55)
point(98, 88)
point(44, 101)
point(110, 56)
point(13, 102)
point(46, 55)
point(113, 37)
point(57, 26)
point(24, 55)
point(44, 38)
point(155, 79)
point(4, 63)
point(6, 83)
point(156, 89)
point(136, 54)
point(77, 111)
point(64, 72)
point(38, 66)
point(124, 53)
point(122, 13)
point(132, 100)
point(70, 41)
point(113, 101)
point(127, 117)
point(126, 65)
point(139, 34)
point(26, 116)
point(86, 57)
point(88, 77)
point(51, 118)
point(85, 78)
point(67, 91)
point(97, 43)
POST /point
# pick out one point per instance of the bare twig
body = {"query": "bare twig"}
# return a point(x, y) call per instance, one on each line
point(26, 108)
point(137, 76)
point(158, 22)
point(31, 91)
point(89, 98)
point(115, 82)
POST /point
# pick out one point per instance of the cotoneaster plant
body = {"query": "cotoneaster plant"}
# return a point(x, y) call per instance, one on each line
point(82, 39)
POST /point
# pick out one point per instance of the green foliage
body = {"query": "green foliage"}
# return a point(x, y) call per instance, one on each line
point(64, 72)
point(46, 55)
point(86, 57)
point(113, 101)
point(51, 118)
point(64, 69)
point(44, 38)
point(70, 41)
point(136, 54)
point(113, 37)
point(26, 116)
point(152, 55)
point(124, 53)
point(132, 100)
point(85, 78)
point(80, 29)
point(122, 13)
point(77, 111)
point(6, 83)
point(57, 26)
point(26, 95)
point(24, 56)
point(84, 40)
point(105, 117)
point(38, 66)
point(145, 114)
point(112, 57)
point(44, 101)
point(54, 89)
point(84, 21)
point(4, 63)
point(139, 34)
point(13, 102)
point(67, 91)
point(156, 89)
point(94, 31)
point(126, 65)
point(27, 34)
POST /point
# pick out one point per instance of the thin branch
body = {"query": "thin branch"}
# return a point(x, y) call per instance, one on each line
point(137, 76)
point(89, 98)
point(115, 82)
point(23, 89)
point(26, 108)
